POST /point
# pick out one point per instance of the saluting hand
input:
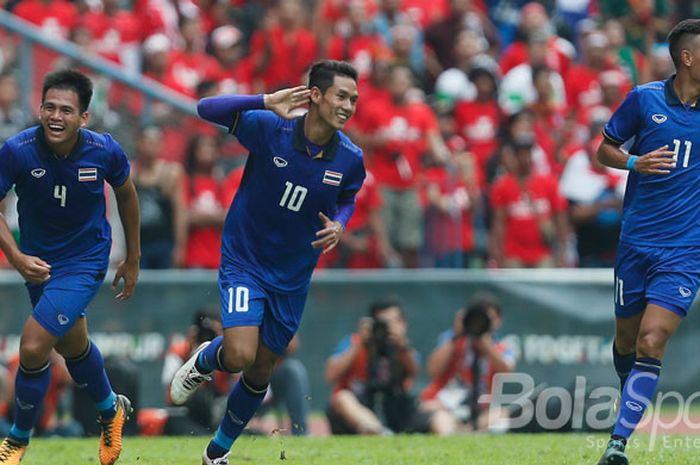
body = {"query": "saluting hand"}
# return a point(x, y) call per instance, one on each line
point(659, 161)
point(129, 272)
point(329, 236)
point(33, 269)
point(284, 101)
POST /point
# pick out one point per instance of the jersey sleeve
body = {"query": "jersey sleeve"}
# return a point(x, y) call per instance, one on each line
point(355, 180)
point(7, 170)
point(624, 123)
point(251, 128)
point(118, 167)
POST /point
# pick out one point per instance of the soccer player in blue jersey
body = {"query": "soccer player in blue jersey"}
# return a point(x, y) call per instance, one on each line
point(58, 169)
point(657, 271)
point(296, 196)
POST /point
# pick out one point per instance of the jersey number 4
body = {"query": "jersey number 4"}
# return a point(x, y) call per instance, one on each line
point(293, 196)
point(59, 192)
point(677, 148)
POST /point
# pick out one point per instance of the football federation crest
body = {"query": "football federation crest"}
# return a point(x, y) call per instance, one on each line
point(87, 174)
point(332, 178)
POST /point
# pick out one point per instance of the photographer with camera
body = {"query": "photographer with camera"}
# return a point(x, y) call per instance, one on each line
point(463, 364)
point(373, 371)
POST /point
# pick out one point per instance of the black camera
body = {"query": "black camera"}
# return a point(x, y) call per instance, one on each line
point(477, 321)
point(380, 337)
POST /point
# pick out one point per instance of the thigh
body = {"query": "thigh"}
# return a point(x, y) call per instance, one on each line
point(243, 301)
point(674, 279)
point(282, 319)
point(61, 302)
point(631, 272)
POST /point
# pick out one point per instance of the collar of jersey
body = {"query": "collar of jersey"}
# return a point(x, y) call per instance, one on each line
point(672, 97)
point(328, 152)
point(75, 154)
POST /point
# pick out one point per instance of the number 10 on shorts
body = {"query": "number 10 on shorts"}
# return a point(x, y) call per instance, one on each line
point(239, 301)
point(619, 292)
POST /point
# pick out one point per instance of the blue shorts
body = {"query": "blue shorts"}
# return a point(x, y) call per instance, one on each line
point(663, 276)
point(245, 302)
point(62, 300)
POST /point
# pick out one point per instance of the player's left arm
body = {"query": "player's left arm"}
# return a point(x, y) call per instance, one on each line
point(332, 231)
point(128, 270)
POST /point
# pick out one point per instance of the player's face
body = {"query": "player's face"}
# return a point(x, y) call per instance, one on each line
point(337, 104)
point(693, 51)
point(61, 119)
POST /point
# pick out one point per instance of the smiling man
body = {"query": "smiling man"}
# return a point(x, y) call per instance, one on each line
point(58, 170)
point(296, 196)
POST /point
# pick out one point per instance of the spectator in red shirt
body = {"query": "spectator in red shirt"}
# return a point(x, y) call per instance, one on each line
point(116, 34)
point(191, 65)
point(282, 49)
point(479, 121)
point(235, 74)
point(402, 132)
point(205, 203)
point(582, 80)
point(528, 226)
point(354, 40)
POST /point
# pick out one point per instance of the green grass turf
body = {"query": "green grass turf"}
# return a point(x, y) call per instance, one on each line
point(515, 449)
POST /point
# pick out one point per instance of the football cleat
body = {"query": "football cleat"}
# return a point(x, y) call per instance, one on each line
point(217, 461)
point(187, 379)
point(614, 454)
point(11, 452)
point(111, 435)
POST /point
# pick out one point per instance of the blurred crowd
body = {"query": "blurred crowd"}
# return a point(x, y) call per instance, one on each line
point(479, 119)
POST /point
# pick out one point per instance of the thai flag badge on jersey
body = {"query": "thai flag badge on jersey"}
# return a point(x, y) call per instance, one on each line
point(332, 178)
point(87, 174)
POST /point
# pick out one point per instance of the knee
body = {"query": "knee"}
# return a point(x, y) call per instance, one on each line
point(625, 343)
point(238, 357)
point(33, 352)
point(293, 369)
point(652, 343)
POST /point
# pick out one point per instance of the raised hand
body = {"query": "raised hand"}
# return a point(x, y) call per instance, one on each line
point(284, 101)
point(659, 161)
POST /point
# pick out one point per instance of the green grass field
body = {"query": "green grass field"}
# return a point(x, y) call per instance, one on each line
point(515, 449)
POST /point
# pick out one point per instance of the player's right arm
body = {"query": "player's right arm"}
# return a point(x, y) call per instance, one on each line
point(33, 269)
point(224, 109)
point(659, 161)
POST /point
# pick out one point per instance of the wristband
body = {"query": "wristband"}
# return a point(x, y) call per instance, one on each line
point(631, 161)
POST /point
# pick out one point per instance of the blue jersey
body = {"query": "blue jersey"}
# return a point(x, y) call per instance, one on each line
point(61, 201)
point(660, 210)
point(274, 217)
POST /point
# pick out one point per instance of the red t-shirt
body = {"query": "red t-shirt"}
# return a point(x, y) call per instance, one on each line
point(525, 207)
point(111, 33)
point(358, 50)
point(187, 70)
point(582, 87)
point(479, 123)
point(397, 162)
point(237, 79)
point(203, 242)
point(291, 54)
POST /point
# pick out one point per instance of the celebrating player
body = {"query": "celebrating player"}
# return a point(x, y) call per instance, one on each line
point(657, 271)
point(302, 174)
point(58, 170)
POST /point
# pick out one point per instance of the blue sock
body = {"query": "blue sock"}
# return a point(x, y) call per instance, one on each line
point(30, 391)
point(210, 358)
point(243, 402)
point(623, 365)
point(88, 372)
point(636, 395)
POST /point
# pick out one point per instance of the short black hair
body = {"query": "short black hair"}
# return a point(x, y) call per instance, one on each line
point(484, 301)
point(381, 305)
point(677, 38)
point(323, 73)
point(70, 79)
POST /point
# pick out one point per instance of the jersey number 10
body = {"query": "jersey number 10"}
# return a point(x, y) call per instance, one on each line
point(677, 148)
point(293, 196)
